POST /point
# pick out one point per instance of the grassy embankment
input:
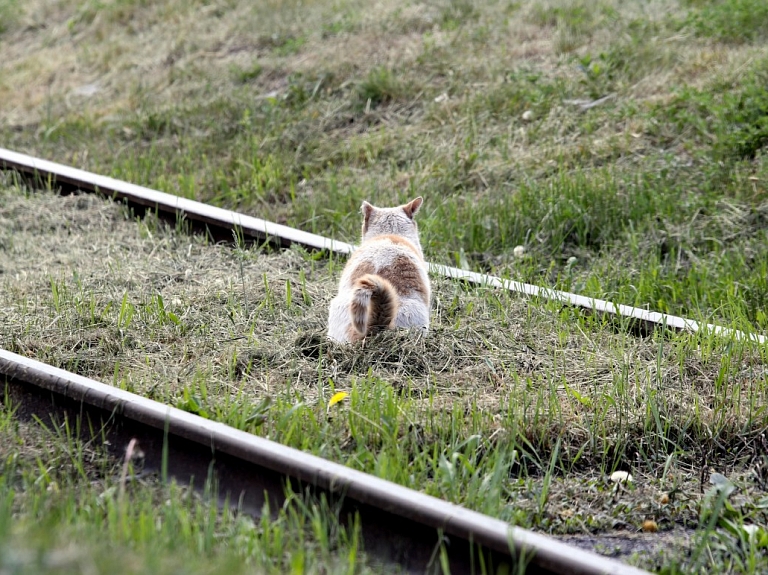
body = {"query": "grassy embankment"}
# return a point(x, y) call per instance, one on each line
point(297, 112)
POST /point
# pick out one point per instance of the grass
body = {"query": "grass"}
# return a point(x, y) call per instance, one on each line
point(298, 129)
point(734, 21)
point(519, 409)
point(297, 111)
point(64, 509)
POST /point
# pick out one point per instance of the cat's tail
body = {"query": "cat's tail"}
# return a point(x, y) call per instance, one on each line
point(374, 304)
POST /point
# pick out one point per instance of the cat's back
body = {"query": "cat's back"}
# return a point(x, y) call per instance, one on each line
point(382, 252)
point(385, 280)
point(394, 258)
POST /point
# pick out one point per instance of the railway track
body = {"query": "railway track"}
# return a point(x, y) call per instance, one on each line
point(220, 224)
point(399, 525)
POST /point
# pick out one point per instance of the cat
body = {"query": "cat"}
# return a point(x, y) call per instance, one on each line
point(384, 284)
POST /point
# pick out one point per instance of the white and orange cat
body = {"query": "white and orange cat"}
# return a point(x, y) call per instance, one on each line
point(384, 284)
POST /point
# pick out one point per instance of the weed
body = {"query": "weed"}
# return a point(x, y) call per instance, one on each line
point(732, 117)
point(734, 21)
point(247, 74)
point(379, 87)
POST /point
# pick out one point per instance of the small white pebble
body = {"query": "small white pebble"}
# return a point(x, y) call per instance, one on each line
point(621, 477)
point(441, 98)
point(527, 116)
point(519, 251)
point(750, 530)
point(176, 302)
point(187, 273)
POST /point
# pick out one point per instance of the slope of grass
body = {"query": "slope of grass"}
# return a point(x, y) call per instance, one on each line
point(622, 144)
point(298, 112)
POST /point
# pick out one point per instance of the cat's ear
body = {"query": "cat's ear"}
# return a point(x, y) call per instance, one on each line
point(412, 207)
point(367, 210)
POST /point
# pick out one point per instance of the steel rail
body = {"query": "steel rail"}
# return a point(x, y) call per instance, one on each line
point(222, 223)
point(398, 524)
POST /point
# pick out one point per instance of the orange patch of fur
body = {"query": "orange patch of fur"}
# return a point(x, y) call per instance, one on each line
point(362, 269)
point(404, 275)
point(403, 242)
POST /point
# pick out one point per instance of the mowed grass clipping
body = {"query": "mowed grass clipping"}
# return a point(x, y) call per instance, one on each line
point(516, 408)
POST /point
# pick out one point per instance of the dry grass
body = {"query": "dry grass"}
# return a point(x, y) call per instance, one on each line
point(76, 58)
point(80, 288)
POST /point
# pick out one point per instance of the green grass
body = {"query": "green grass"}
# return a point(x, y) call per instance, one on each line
point(377, 133)
point(296, 112)
point(8, 14)
point(736, 21)
point(65, 509)
point(519, 409)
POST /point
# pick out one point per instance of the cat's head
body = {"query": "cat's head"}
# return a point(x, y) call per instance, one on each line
point(398, 221)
